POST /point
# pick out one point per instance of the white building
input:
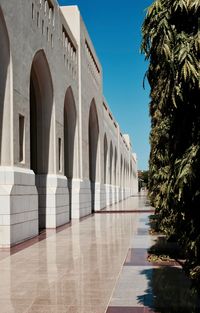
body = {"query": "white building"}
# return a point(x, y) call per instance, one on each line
point(62, 154)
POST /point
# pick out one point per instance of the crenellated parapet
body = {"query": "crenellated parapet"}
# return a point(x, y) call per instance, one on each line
point(43, 14)
point(92, 65)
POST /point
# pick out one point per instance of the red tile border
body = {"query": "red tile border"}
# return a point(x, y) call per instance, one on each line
point(81, 219)
point(138, 257)
point(138, 196)
point(124, 211)
point(49, 232)
point(61, 228)
point(44, 234)
point(116, 309)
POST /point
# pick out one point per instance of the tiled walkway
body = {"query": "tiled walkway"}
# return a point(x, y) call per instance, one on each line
point(97, 265)
point(145, 287)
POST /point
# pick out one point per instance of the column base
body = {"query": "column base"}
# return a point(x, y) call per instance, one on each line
point(53, 196)
point(19, 206)
point(83, 205)
point(109, 194)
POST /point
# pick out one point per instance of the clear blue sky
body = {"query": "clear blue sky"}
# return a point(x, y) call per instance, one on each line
point(115, 29)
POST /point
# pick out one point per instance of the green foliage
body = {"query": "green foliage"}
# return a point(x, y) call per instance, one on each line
point(144, 175)
point(171, 43)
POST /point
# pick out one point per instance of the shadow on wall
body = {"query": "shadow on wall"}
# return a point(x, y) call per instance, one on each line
point(4, 79)
point(93, 134)
point(41, 104)
point(69, 140)
point(169, 291)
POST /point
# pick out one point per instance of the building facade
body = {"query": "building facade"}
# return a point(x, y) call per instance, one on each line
point(62, 154)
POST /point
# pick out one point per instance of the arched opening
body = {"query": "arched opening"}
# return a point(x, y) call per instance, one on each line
point(93, 149)
point(124, 174)
point(111, 162)
point(69, 140)
point(105, 158)
point(115, 167)
point(131, 176)
point(128, 176)
point(41, 137)
point(5, 93)
point(121, 173)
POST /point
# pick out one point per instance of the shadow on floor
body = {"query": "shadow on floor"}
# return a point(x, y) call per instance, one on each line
point(169, 291)
point(163, 246)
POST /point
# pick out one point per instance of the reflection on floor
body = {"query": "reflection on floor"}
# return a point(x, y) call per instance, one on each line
point(145, 287)
point(97, 265)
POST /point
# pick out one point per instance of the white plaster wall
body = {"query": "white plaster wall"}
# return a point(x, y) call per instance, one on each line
point(18, 193)
point(26, 39)
point(90, 83)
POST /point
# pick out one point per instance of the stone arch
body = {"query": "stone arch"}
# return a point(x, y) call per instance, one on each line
point(5, 93)
point(70, 121)
point(128, 174)
point(124, 174)
point(111, 162)
point(105, 146)
point(131, 175)
point(93, 149)
point(121, 172)
point(41, 130)
point(115, 167)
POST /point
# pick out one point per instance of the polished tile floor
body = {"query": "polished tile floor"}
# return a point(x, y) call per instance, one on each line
point(96, 265)
point(74, 270)
point(144, 287)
